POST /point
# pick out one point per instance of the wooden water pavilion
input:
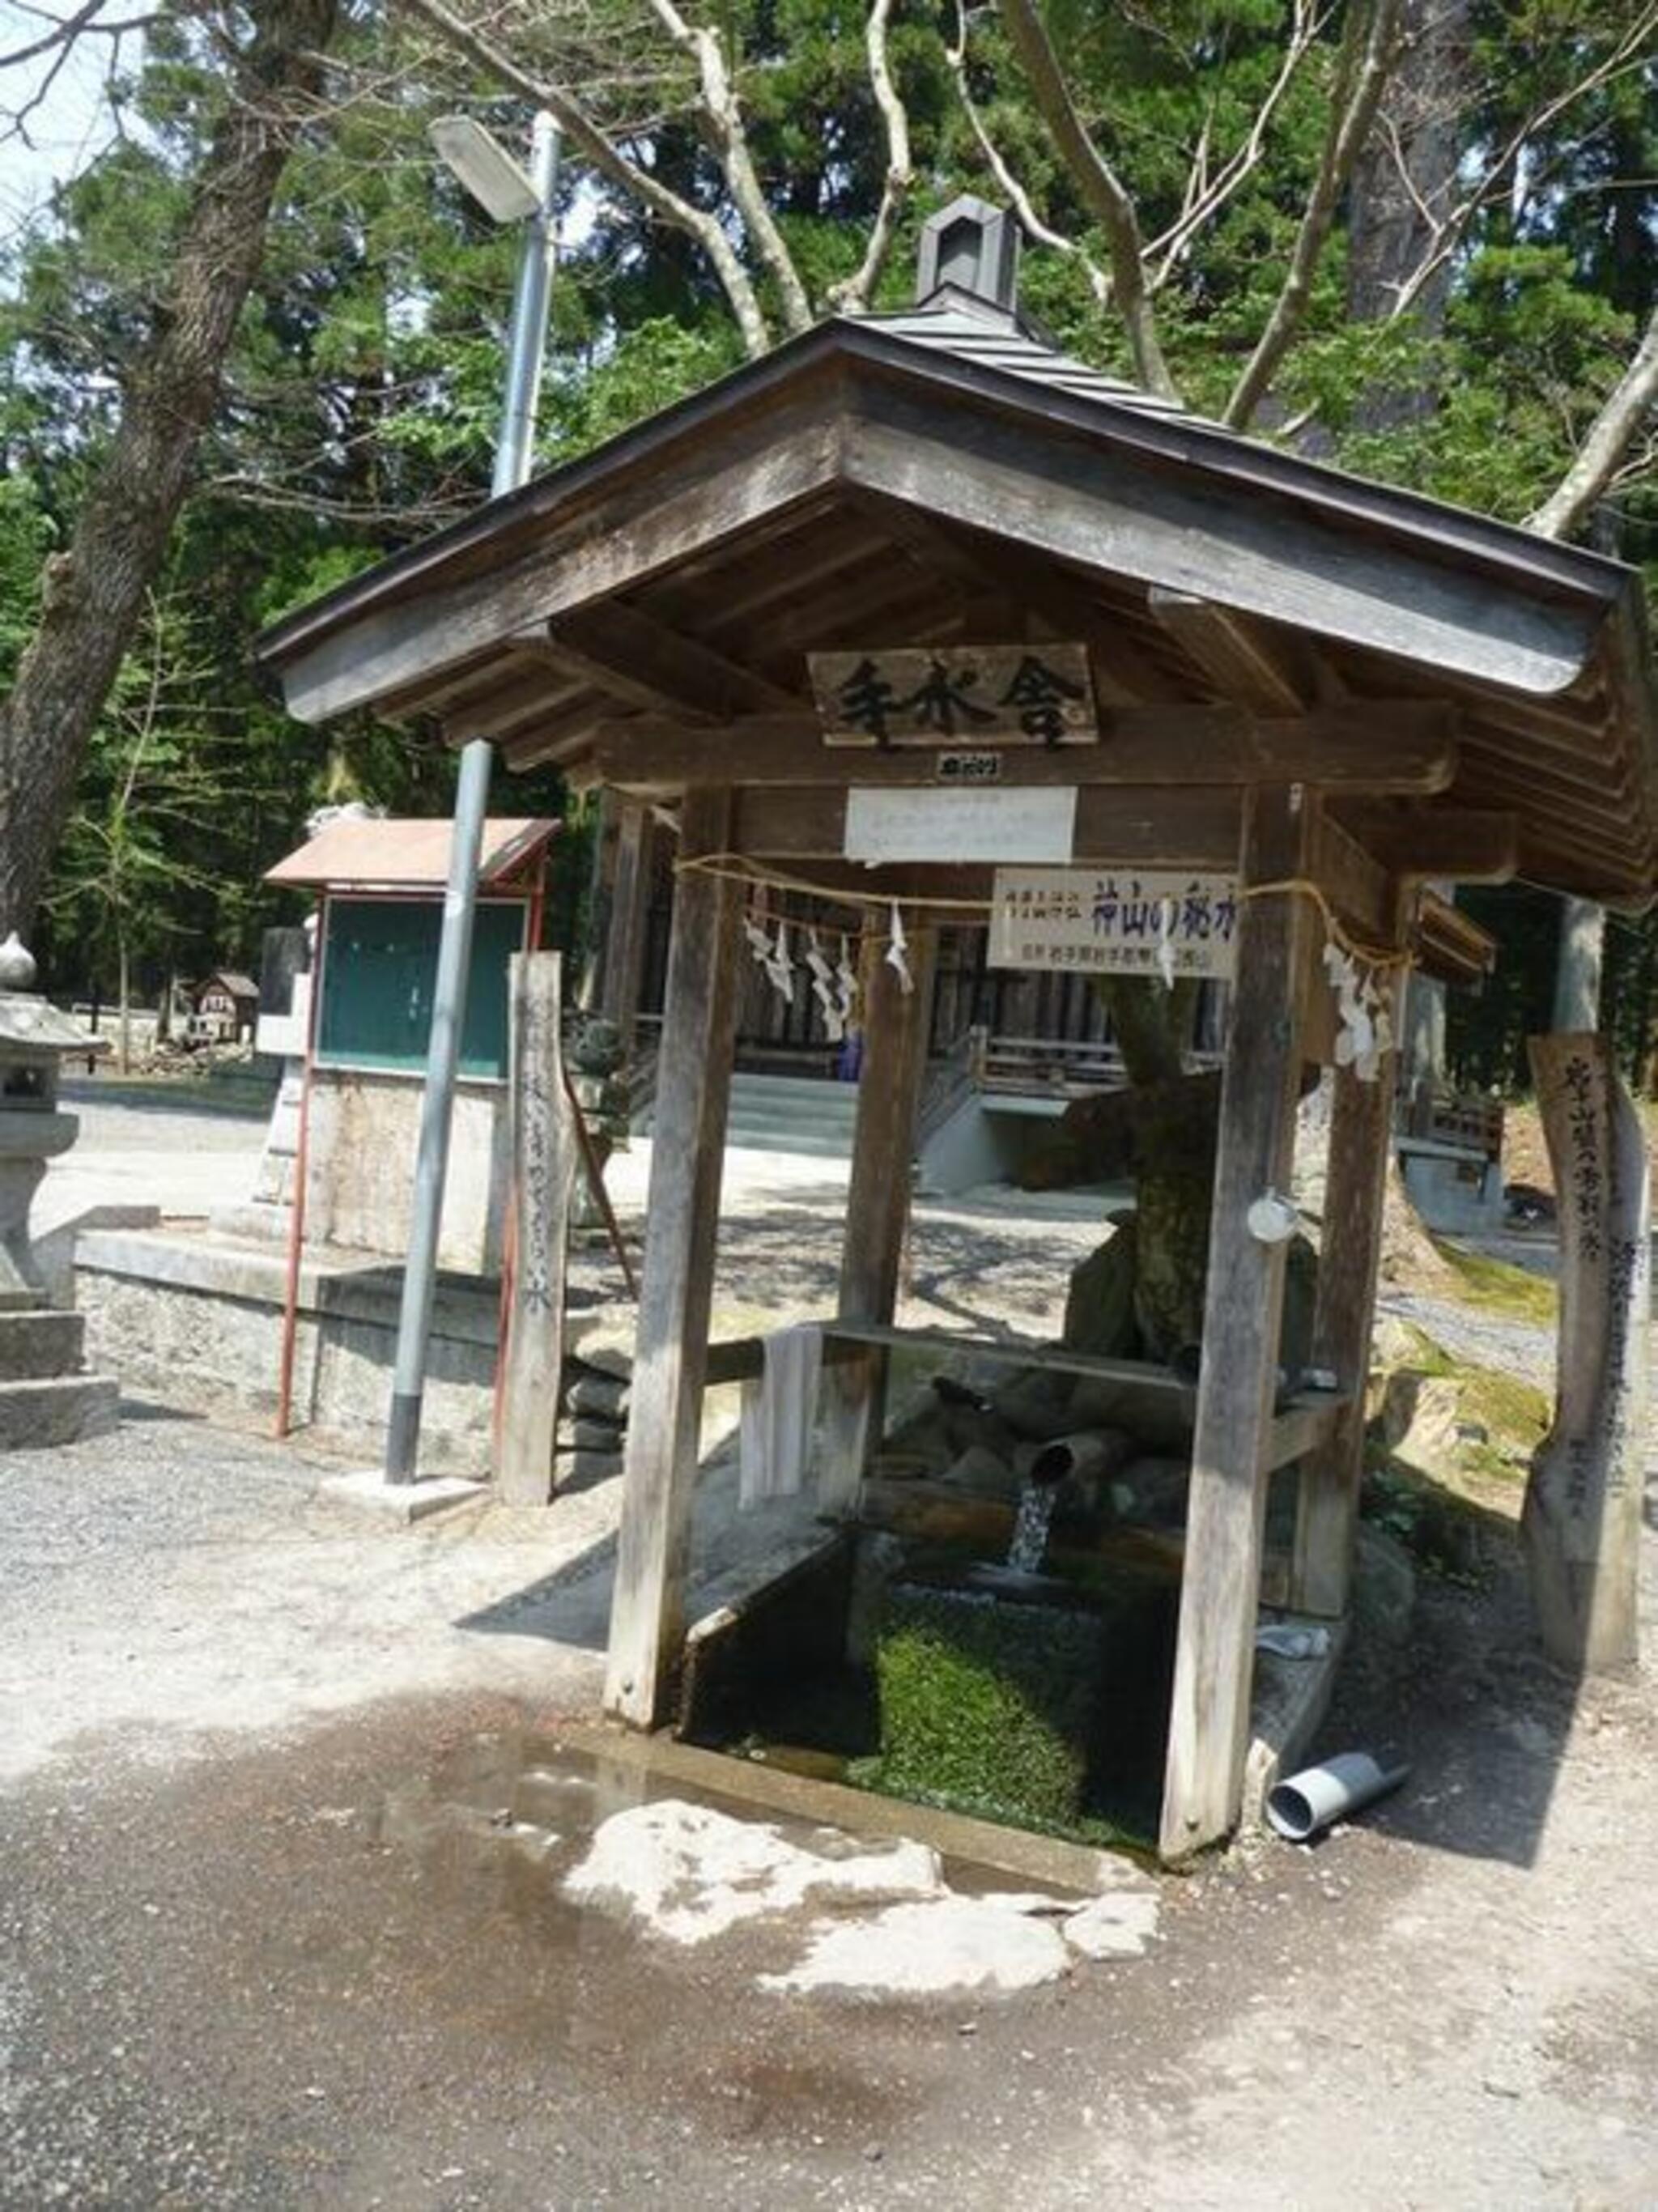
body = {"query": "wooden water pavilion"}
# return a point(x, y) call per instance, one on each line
point(1297, 679)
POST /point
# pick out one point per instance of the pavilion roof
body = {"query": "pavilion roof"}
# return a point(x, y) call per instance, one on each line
point(894, 478)
point(390, 852)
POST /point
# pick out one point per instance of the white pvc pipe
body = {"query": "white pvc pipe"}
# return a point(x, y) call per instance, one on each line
point(1309, 1801)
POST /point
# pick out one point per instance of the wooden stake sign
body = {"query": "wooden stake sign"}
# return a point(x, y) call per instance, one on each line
point(544, 1161)
point(1582, 1522)
point(981, 694)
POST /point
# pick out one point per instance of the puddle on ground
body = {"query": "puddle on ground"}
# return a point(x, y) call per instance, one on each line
point(582, 1851)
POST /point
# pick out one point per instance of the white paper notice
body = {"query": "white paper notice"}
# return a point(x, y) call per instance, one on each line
point(1031, 825)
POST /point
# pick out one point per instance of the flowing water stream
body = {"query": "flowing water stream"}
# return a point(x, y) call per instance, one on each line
point(1029, 1547)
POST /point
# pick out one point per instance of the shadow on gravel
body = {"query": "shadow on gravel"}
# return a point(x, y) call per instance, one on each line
point(572, 1605)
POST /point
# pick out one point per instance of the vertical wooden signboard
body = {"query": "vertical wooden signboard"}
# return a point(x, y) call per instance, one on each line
point(1582, 1522)
point(544, 1161)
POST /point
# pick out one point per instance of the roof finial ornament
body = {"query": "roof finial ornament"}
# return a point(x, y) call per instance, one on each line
point(970, 247)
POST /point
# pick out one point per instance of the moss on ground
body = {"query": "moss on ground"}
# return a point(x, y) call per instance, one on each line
point(1497, 1287)
point(1449, 1515)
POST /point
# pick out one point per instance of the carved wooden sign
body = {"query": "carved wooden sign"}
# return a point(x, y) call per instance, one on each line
point(1582, 1522)
point(1115, 922)
point(544, 1161)
point(977, 695)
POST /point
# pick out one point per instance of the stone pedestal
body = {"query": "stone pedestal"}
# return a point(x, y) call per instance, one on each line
point(27, 1140)
point(43, 1397)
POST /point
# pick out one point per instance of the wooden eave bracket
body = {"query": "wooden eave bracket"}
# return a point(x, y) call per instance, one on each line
point(1236, 653)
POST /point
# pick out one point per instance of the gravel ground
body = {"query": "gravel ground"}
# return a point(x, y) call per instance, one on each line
point(1517, 1347)
point(263, 1944)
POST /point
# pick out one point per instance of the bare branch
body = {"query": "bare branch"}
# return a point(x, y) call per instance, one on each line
point(1630, 52)
point(722, 114)
point(1102, 191)
point(1366, 61)
point(1603, 450)
point(854, 296)
point(610, 163)
point(1024, 206)
point(1205, 197)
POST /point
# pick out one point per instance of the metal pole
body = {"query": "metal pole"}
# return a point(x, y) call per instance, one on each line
point(514, 450)
point(526, 344)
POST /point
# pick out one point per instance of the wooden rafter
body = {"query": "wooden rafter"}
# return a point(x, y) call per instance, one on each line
point(1237, 655)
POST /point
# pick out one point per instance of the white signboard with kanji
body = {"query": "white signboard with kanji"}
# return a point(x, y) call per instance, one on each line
point(1115, 922)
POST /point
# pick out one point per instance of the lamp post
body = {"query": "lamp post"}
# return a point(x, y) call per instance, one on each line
point(495, 180)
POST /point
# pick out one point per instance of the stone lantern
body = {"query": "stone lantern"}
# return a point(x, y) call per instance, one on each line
point(43, 1397)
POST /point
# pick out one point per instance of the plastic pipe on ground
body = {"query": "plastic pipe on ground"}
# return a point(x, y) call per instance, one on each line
point(1311, 1800)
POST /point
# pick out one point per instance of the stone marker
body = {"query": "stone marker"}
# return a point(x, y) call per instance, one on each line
point(1581, 1521)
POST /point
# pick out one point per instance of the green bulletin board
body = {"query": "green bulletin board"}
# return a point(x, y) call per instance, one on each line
point(378, 967)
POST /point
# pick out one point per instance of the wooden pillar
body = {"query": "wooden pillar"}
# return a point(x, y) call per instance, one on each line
point(543, 1143)
point(1214, 1660)
point(671, 1357)
point(896, 1024)
point(1327, 1509)
point(629, 911)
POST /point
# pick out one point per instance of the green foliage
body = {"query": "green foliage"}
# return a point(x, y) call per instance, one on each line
point(361, 403)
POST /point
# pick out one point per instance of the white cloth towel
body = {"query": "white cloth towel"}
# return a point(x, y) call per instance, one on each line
point(780, 1410)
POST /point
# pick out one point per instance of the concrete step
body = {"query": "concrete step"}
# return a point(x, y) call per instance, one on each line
point(811, 1116)
point(806, 1148)
point(40, 1343)
point(796, 1089)
point(60, 1410)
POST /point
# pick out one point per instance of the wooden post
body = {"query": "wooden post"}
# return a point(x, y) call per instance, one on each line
point(896, 1025)
point(671, 1357)
point(544, 1161)
point(1214, 1662)
point(1327, 1508)
point(629, 910)
point(1581, 1521)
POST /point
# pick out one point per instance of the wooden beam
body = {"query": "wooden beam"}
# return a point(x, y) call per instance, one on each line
point(1135, 826)
point(991, 566)
point(630, 654)
point(1055, 494)
point(1380, 747)
point(1450, 844)
point(1220, 1587)
point(1236, 654)
point(896, 1024)
point(1327, 1506)
point(603, 548)
point(647, 1610)
point(629, 912)
point(1355, 883)
point(544, 1155)
point(497, 714)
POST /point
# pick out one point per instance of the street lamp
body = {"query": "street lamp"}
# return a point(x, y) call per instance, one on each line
point(509, 194)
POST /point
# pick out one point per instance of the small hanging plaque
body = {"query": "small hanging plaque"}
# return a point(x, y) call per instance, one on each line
point(981, 694)
point(1115, 922)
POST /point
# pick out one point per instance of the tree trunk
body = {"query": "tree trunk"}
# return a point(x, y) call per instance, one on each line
point(1405, 180)
point(94, 595)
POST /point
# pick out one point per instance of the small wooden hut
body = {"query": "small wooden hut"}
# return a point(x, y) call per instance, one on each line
point(1246, 666)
